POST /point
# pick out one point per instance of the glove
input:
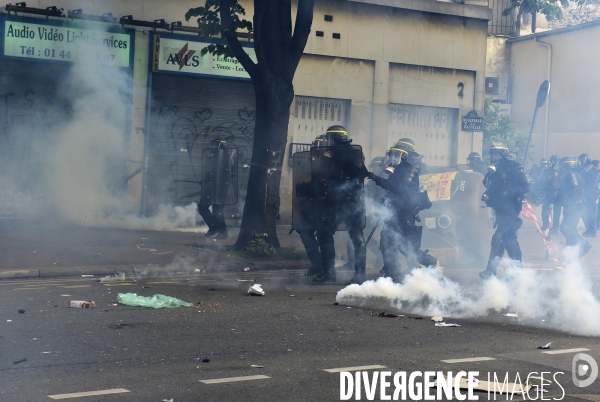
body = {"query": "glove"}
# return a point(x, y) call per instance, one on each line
point(371, 175)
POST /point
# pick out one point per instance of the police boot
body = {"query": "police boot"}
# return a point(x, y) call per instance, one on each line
point(487, 274)
point(394, 274)
point(585, 248)
point(326, 277)
point(426, 259)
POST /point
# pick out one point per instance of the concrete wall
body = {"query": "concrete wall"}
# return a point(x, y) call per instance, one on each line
point(573, 124)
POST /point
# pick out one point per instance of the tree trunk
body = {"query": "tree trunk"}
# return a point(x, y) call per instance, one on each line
point(274, 95)
point(533, 21)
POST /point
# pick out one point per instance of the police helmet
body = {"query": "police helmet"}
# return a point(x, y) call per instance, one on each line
point(474, 157)
point(340, 135)
point(406, 144)
point(320, 141)
point(554, 158)
point(396, 154)
point(596, 162)
point(218, 143)
point(498, 147)
point(584, 159)
point(568, 161)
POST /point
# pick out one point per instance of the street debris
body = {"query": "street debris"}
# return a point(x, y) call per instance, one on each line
point(546, 346)
point(256, 290)
point(21, 311)
point(113, 278)
point(167, 400)
point(443, 324)
point(437, 319)
point(157, 301)
point(246, 269)
point(65, 295)
point(292, 295)
point(87, 276)
point(81, 304)
point(8, 320)
point(146, 287)
point(416, 317)
point(386, 315)
point(20, 361)
point(152, 250)
point(336, 304)
point(205, 360)
point(197, 270)
point(516, 315)
point(256, 366)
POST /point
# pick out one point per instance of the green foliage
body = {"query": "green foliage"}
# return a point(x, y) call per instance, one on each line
point(499, 127)
point(210, 23)
point(258, 247)
point(551, 9)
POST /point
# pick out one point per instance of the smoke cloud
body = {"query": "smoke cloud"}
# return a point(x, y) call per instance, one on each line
point(562, 298)
point(77, 163)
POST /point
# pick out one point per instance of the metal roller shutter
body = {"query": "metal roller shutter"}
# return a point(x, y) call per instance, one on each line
point(30, 106)
point(312, 116)
point(188, 112)
point(431, 128)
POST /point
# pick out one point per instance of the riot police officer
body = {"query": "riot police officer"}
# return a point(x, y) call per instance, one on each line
point(551, 207)
point(404, 201)
point(506, 185)
point(215, 220)
point(346, 207)
point(307, 236)
point(572, 196)
point(475, 164)
point(590, 186)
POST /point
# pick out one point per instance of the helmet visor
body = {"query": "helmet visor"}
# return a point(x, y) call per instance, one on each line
point(395, 156)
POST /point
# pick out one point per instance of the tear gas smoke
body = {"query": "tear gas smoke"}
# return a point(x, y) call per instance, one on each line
point(563, 298)
point(86, 159)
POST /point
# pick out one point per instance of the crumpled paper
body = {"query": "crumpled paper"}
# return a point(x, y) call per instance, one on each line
point(437, 319)
point(256, 290)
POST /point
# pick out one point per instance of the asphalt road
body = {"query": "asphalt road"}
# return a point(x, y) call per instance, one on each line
point(294, 333)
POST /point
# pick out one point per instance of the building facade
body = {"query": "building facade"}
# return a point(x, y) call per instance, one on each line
point(384, 69)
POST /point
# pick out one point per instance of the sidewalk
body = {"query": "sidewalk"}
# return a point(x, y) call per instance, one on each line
point(29, 249)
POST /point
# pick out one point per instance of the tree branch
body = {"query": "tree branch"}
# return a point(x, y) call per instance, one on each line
point(304, 18)
point(232, 40)
point(260, 7)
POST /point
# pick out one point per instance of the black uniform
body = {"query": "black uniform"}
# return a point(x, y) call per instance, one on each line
point(550, 184)
point(590, 187)
point(346, 208)
point(506, 189)
point(400, 231)
point(215, 220)
point(572, 196)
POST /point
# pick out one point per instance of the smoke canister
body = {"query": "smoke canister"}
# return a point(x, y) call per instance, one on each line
point(81, 304)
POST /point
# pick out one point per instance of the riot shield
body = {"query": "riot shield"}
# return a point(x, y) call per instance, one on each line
point(303, 210)
point(219, 176)
point(338, 180)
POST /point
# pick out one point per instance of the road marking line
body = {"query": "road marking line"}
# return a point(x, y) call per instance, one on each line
point(558, 352)
point(235, 379)
point(29, 288)
point(120, 284)
point(468, 359)
point(90, 393)
point(74, 286)
point(357, 368)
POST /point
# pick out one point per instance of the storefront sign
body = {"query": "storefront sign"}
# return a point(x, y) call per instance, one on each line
point(183, 56)
point(472, 122)
point(60, 43)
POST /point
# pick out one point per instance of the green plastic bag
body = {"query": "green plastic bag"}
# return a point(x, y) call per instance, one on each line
point(156, 301)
